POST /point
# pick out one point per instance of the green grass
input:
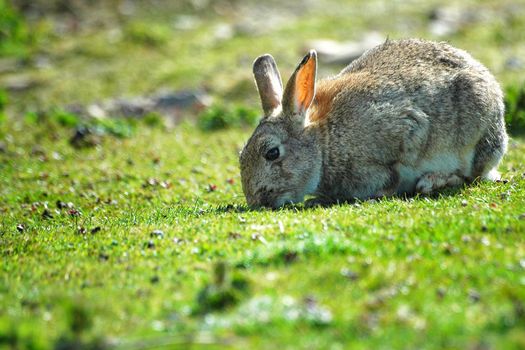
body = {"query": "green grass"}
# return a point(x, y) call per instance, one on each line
point(429, 272)
point(142, 238)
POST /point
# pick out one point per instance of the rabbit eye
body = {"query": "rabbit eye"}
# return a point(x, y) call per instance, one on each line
point(272, 154)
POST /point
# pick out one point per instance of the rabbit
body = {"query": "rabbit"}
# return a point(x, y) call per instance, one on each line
point(408, 116)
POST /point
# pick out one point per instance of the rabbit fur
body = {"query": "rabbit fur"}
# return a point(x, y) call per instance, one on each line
point(408, 116)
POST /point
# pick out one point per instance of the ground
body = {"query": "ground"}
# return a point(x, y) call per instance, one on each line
point(142, 238)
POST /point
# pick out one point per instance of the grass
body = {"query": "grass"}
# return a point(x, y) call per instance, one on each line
point(142, 239)
point(432, 272)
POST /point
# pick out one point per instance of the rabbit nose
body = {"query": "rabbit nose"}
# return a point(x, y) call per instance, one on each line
point(265, 199)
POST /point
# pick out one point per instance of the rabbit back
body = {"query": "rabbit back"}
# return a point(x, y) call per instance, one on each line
point(403, 109)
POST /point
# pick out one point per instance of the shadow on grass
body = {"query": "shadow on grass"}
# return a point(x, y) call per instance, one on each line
point(315, 203)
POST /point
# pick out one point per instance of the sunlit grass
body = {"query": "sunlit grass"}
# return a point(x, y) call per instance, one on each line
point(432, 271)
point(144, 240)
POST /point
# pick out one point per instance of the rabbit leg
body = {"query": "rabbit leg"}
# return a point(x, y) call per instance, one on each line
point(433, 181)
point(488, 153)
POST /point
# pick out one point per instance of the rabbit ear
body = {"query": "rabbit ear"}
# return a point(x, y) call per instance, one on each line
point(268, 83)
point(300, 90)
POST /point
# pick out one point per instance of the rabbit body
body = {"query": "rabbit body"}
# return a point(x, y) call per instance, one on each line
point(407, 116)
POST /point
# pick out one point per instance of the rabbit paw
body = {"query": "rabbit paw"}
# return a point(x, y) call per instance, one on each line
point(434, 181)
point(318, 202)
point(493, 175)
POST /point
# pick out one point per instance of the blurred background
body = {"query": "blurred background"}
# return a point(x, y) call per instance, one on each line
point(117, 194)
point(178, 58)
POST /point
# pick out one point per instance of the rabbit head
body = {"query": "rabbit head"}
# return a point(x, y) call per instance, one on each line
point(281, 162)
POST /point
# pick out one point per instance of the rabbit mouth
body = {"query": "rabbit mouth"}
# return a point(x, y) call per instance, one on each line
point(277, 200)
point(285, 201)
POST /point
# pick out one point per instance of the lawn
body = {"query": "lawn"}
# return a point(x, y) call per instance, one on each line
point(142, 238)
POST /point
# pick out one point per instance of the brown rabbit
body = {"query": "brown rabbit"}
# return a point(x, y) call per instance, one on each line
point(407, 116)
